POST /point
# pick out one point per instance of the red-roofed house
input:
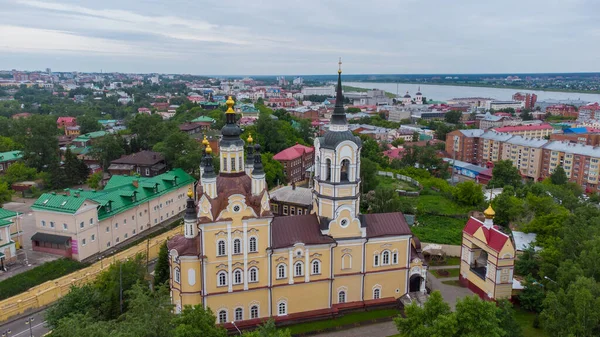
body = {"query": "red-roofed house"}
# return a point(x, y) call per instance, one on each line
point(63, 122)
point(296, 160)
point(487, 258)
point(528, 131)
point(589, 111)
point(144, 111)
point(562, 110)
point(396, 153)
point(282, 102)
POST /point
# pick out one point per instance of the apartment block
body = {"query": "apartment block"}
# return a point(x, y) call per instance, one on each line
point(525, 154)
point(490, 146)
point(463, 144)
point(530, 131)
point(592, 139)
point(580, 162)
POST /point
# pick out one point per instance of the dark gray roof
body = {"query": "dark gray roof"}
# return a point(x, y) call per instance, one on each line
point(333, 138)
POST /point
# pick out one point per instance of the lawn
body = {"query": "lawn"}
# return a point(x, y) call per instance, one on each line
point(439, 229)
point(347, 319)
point(397, 184)
point(525, 319)
point(451, 272)
point(449, 261)
point(455, 283)
point(439, 204)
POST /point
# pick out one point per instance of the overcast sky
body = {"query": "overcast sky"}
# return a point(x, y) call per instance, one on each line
point(301, 36)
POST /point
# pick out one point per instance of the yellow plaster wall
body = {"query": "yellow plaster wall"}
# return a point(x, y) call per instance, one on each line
point(389, 282)
point(243, 299)
point(353, 228)
point(393, 244)
point(355, 251)
point(350, 284)
point(296, 296)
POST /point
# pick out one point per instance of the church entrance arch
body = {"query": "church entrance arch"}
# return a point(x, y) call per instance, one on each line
point(415, 283)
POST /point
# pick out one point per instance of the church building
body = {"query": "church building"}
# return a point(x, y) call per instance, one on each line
point(236, 258)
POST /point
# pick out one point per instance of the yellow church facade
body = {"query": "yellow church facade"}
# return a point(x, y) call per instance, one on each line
point(236, 258)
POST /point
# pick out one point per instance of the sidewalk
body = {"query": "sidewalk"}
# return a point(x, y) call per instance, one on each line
point(374, 330)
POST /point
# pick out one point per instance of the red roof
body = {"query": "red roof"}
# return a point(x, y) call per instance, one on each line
point(533, 127)
point(592, 107)
point(394, 153)
point(289, 230)
point(495, 238)
point(385, 224)
point(65, 120)
point(293, 152)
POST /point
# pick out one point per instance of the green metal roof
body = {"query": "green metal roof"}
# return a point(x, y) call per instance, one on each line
point(203, 119)
point(91, 135)
point(6, 214)
point(5, 223)
point(81, 150)
point(119, 195)
point(10, 156)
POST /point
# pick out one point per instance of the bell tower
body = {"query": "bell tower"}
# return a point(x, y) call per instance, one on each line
point(336, 192)
point(231, 146)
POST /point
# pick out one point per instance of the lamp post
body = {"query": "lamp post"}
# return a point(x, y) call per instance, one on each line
point(551, 280)
point(6, 333)
point(238, 329)
point(29, 322)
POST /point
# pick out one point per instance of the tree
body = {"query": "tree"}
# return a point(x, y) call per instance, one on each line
point(453, 116)
point(384, 200)
point(528, 262)
point(94, 180)
point(415, 136)
point(5, 194)
point(532, 295)
point(274, 174)
point(368, 174)
point(197, 321)
point(88, 124)
point(353, 110)
point(507, 321)
point(18, 172)
point(504, 174)
point(507, 207)
point(268, 329)
point(7, 144)
point(180, 150)
point(161, 270)
point(397, 142)
point(106, 149)
point(559, 176)
point(526, 115)
point(476, 317)
point(83, 300)
point(39, 137)
point(76, 171)
point(468, 193)
point(433, 319)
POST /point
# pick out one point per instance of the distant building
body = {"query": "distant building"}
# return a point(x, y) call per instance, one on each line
point(531, 131)
point(9, 158)
point(9, 237)
point(586, 138)
point(528, 99)
point(562, 110)
point(63, 122)
point(298, 81)
point(589, 112)
point(194, 128)
point(370, 97)
point(282, 102)
point(291, 200)
point(296, 160)
point(498, 105)
point(463, 144)
point(88, 138)
point(474, 102)
point(143, 163)
point(319, 91)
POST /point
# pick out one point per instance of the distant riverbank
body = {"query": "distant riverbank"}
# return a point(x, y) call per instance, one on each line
point(357, 89)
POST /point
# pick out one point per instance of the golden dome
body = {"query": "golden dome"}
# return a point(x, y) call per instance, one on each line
point(230, 102)
point(489, 212)
point(340, 66)
point(190, 193)
point(208, 149)
point(250, 140)
point(205, 141)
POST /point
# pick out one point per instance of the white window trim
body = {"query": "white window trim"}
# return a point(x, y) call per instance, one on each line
point(177, 277)
point(284, 271)
point(250, 275)
point(395, 257)
point(376, 260)
point(235, 314)
point(285, 312)
point(376, 288)
point(224, 245)
point(301, 269)
point(312, 264)
point(257, 311)
point(241, 276)
point(238, 241)
point(349, 261)
point(255, 244)
point(219, 316)
point(219, 279)
point(345, 298)
point(383, 263)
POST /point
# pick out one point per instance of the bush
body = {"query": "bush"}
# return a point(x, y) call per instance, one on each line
point(38, 275)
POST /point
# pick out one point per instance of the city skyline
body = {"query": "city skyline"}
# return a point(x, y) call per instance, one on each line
point(383, 37)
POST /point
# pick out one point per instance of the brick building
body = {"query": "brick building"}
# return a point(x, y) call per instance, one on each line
point(463, 144)
point(530, 131)
point(562, 110)
point(592, 139)
point(296, 160)
point(528, 100)
point(589, 112)
point(580, 162)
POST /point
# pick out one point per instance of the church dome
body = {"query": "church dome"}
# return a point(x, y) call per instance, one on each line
point(332, 139)
point(489, 212)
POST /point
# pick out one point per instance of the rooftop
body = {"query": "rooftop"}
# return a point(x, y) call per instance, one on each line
point(531, 142)
point(532, 127)
point(293, 152)
point(573, 148)
point(91, 135)
point(297, 195)
point(140, 158)
point(10, 156)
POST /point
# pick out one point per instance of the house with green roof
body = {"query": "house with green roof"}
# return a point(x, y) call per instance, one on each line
point(88, 138)
point(247, 110)
point(8, 158)
point(8, 245)
point(79, 223)
point(203, 119)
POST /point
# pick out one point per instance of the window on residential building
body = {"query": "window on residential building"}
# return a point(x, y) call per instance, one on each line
point(222, 277)
point(285, 210)
point(116, 225)
point(282, 308)
point(252, 245)
point(223, 316)
point(237, 246)
point(126, 235)
point(65, 227)
point(107, 229)
point(254, 311)
point(237, 276)
point(117, 240)
point(376, 294)
point(275, 208)
point(342, 297)
point(51, 224)
point(316, 267)
point(124, 221)
point(83, 242)
point(253, 274)
point(93, 238)
point(221, 248)
point(91, 221)
point(177, 275)
point(43, 223)
point(292, 210)
point(147, 171)
point(108, 244)
point(298, 269)
point(281, 271)
point(239, 314)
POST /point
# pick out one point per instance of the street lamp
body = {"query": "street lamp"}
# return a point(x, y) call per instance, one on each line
point(238, 329)
point(549, 279)
point(6, 333)
point(29, 321)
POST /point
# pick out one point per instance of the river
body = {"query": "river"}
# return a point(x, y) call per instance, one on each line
point(447, 92)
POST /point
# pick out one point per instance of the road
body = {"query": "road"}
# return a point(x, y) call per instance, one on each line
point(19, 328)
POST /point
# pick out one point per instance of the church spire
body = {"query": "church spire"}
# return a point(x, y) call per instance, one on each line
point(339, 115)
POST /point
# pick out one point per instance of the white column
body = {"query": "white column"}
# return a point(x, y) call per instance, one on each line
point(307, 266)
point(229, 262)
point(291, 267)
point(245, 246)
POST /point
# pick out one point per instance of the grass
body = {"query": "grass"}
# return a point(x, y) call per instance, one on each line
point(347, 319)
point(38, 275)
point(525, 320)
point(397, 184)
point(454, 283)
point(439, 229)
point(450, 261)
point(441, 205)
point(452, 272)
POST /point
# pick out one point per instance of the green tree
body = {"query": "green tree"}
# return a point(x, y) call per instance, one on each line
point(532, 296)
point(476, 317)
point(504, 174)
point(433, 319)
point(84, 300)
point(18, 172)
point(507, 207)
point(180, 150)
point(76, 170)
point(559, 176)
point(468, 193)
point(526, 115)
point(507, 320)
point(5, 193)
point(107, 149)
point(268, 329)
point(528, 262)
point(397, 142)
point(453, 116)
point(39, 137)
point(415, 136)
point(161, 269)
point(197, 321)
point(7, 144)
point(94, 180)
point(368, 175)
point(88, 124)
point(384, 200)
point(273, 171)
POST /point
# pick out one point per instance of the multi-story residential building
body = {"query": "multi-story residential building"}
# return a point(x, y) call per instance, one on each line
point(246, 265)
point(9, 158)
point(143, 163)
point(487, 258)
point(81, 223)
point(562, 110)
point(525, 154)
point(463, 145)
point(291, 200)
point(498, 105)
point(588, 112)
point(474, 102)
point(528, 99)
point(296, 160)
point(489, 121)
point(587, 138)
point(530, 131)
point(490, 147)
point(580, 162)
point(328, 91)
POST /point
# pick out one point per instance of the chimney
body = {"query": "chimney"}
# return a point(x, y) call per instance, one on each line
point(136, 183)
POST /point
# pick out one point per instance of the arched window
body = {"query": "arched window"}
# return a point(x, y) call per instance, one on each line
point(346, 261)
point(385, 258)
point(237, 276)
point(342, 297)
point(298, 270)
point(237, 246)
point(376, 260)
point(254, 311)
point(376, 293)
point(253, 274)
point(222, 277)
point(252, 245)
point(221, 248)
point(345, 170)
point(239, 314)
point(177, 275)
point(328, 169)
point(281, 270)
point(282, 308)
point(395, 257)
point(316, 267)
point(223, 316)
